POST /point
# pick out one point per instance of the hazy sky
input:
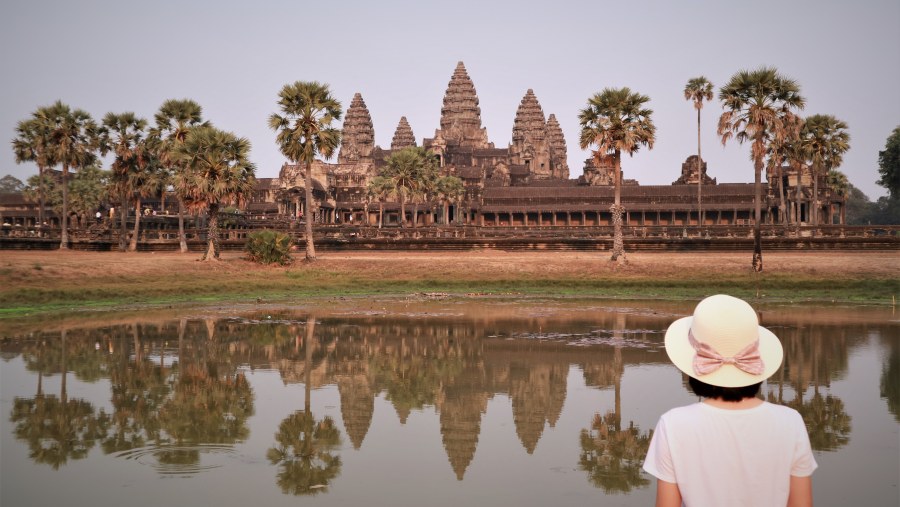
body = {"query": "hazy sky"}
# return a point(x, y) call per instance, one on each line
point(233, 57)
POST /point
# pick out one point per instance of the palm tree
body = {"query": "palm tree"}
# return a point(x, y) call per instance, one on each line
point(838, 183)
point(449, 189)
point(697, 90)
point(173, 122)
point(74, 141)
point(759, 108)
point(616, 120)
point(125, 133)
point(379, 188)
point(216, 171)
point(32, 144)
point(407, 172)
point(824, 140)
point(303, 131)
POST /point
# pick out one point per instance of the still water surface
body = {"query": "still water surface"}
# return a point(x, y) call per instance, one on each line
point(449, 402)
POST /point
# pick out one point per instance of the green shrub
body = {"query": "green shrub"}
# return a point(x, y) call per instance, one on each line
point(269, 247)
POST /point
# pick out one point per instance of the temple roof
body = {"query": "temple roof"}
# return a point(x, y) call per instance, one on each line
point(403, 136)
point(358, 134)
point(460, 115)
point(529, 124)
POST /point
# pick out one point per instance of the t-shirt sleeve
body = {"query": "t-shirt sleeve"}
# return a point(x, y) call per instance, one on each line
point(804, 462)
point(658, 462)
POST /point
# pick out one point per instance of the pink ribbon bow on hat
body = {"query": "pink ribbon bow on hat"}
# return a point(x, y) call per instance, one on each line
point(708, 360)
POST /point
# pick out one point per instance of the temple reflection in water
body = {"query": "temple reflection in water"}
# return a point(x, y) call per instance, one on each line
point(179, 390)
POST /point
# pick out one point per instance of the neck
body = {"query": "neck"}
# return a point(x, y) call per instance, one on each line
point(733, 405)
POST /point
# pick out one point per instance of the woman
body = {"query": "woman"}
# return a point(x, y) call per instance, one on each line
point(732, 448)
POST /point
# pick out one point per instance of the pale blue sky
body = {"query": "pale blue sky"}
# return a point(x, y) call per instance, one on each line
point(233, 58)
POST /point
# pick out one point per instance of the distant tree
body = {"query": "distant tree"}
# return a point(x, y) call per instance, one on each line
point(615, 121)
point(126, 134)
point(379, 189)
point(174, 120)
point(759, 108)
point(88, 189)
point(11, 185)
point(839, 185)
point(697, 90)
point(32, 144)
point(74, 141)
point(407, 172)
point(303, 130)
point(217, 171)
point(823, 141)
point(889, 164)
point(449, 189)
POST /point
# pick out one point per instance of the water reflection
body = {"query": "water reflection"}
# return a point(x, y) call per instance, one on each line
point(179, 390)
point(56, 429)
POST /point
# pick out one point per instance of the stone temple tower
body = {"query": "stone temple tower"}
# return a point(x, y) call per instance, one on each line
point(358, 134)
point(530, 146)
point(559, 163)
point(403, 136)
point(460, 115)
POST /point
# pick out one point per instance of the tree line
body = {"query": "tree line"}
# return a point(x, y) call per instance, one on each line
point(208, 168)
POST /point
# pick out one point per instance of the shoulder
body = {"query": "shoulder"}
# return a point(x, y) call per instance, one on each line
point(782, 411)
point(685, 413)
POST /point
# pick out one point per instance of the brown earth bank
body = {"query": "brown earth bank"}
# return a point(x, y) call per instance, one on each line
point(56, 280)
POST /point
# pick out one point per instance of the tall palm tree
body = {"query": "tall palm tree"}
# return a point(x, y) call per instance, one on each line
point(125, 132)
point(74, 141)
point(759, 108)
point(174, 120)
point(616, 121)
point(824, 140)
point(407, 172)
point(379, 188)
point(839, 184)
point(303, 131)
point(217, 171)
point(449, 189)
point(32, 144)
point(697, 90)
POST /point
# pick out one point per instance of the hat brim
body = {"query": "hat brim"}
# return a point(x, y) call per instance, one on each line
point(682, 356)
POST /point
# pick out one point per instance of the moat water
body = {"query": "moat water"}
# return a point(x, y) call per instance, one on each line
point(477, 401)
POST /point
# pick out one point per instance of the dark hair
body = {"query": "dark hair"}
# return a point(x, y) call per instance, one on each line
point(705, 390)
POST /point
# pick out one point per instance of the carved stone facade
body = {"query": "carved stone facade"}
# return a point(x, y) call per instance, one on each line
point(526, 183)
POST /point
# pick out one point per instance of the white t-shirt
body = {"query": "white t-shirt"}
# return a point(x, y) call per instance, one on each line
point(722, 457)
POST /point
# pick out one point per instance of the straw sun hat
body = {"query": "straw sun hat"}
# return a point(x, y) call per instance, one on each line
point(723, 345)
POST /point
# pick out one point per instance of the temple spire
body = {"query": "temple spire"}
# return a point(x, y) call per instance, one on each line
point(403, 136)
point(529, 138)
point(558, 152)
point(460, 115)
point(358, 135)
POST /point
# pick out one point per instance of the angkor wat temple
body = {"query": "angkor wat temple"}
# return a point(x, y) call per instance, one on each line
point(524, 184)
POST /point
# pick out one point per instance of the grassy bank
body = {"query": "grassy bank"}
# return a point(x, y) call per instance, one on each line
point(46, 282)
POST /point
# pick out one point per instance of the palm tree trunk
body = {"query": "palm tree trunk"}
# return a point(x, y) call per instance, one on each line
point(307, 373)
point(310, 247)
point(782, 208)
point(132, 247)
point(757, 212)
point(380, 214)
point(815, 199)
point(212, 234)
point(182, 240)
point(415, 217)
point(799, 198)
point(402, 211)
point(123, 230)
point(64, 219)
point(699, 175)
point(617, 211)
point(40, 196)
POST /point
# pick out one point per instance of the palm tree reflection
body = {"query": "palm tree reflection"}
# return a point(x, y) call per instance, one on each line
point(304, 445)
point(613, 456)
point(57, 429)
